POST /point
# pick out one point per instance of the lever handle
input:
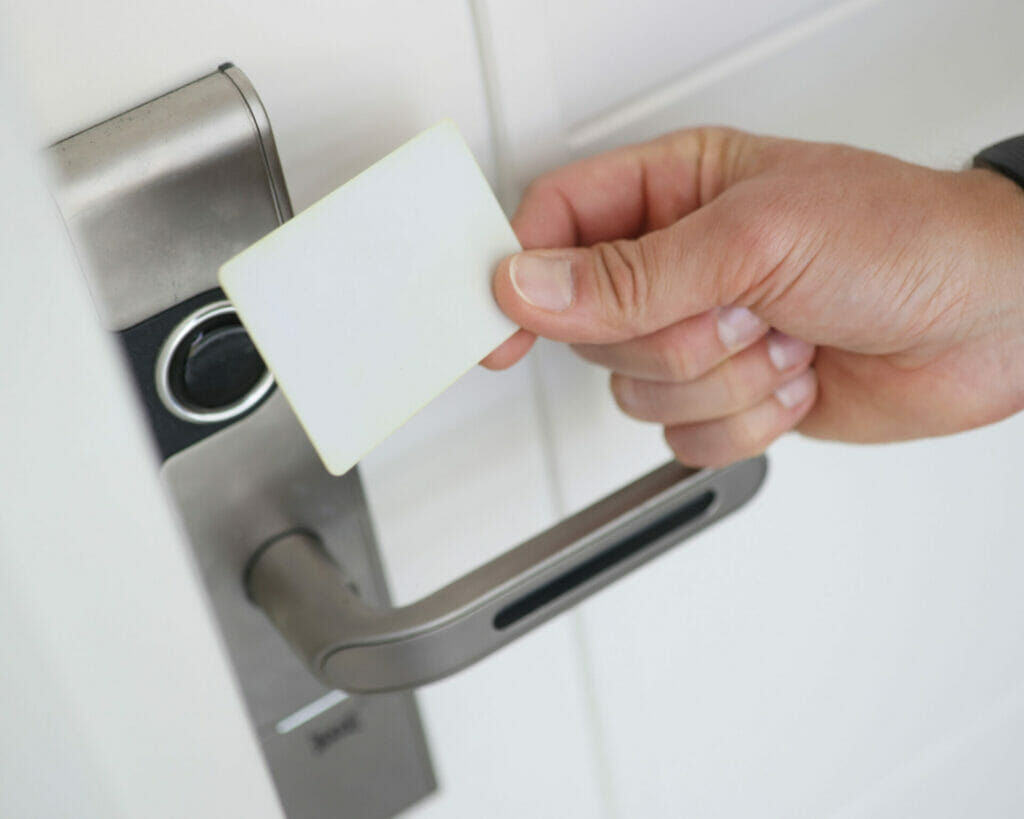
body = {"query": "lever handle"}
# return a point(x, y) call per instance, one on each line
point(360, 648)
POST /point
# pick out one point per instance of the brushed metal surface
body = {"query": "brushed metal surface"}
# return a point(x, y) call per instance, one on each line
point(351, 641)
point(155, 200)
point(365, 756)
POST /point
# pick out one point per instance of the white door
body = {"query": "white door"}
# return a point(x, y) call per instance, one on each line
point(851, 644)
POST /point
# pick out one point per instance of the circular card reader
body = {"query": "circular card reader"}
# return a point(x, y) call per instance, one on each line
point(208, 370)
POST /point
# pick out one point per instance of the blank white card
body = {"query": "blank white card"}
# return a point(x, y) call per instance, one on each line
point(371, 302)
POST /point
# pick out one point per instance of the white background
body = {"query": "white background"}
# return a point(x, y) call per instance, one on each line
point(849, 646)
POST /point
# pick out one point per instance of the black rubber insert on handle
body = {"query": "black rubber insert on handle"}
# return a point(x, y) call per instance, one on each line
point(599, 563)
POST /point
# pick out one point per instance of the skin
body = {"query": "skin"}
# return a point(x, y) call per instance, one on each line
point(897, 290)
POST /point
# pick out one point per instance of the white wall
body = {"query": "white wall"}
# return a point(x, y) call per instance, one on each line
point(850, 645)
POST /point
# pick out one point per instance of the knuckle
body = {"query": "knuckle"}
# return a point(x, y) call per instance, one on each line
point(677, 443)
point(622, 282)
point(759, 239)
point(676, 362)
point(622, 392)
point(757, 236)
point(542, 186)
point(748, 436)
point(543, 199)
point(589, 352)
point(689, 449)
point(736, 389)
point(631, 397)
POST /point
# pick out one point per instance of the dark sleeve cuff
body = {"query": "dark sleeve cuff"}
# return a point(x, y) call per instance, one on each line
point(1006, 157)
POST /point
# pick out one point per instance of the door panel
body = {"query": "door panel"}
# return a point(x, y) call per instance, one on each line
point(810, 657)
point(604, 57)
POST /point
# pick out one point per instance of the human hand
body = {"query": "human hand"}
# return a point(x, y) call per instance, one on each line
point(740, 286)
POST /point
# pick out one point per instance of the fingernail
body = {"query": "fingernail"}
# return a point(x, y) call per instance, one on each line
point(786, 351)
point(543, 281)
point(738, 327)
point(796, 391)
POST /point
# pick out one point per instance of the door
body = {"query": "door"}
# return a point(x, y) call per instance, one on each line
point(849, 646)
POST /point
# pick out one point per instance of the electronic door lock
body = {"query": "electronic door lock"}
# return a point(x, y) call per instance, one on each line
point(356, 646)
point(155, 200)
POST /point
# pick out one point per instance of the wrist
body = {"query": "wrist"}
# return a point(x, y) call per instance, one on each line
point(1000, 197)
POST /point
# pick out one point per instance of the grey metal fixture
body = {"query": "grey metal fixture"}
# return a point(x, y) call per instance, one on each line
point(155, 200)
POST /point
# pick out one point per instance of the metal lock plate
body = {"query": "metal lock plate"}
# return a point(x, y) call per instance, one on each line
point(155, 200)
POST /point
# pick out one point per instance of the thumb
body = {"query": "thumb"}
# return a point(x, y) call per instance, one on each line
point(623, 289)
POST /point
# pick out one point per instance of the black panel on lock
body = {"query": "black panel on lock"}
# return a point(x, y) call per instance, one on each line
point(214, 366)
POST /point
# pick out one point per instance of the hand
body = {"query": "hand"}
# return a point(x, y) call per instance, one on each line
point(740, 286)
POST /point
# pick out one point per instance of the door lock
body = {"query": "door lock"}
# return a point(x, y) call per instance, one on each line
point(155, 201)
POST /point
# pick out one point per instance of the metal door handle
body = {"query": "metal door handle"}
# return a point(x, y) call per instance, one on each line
point(357, 647)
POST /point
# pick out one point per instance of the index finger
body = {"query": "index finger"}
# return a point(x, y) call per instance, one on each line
point(626, 192)
point(620, 194)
